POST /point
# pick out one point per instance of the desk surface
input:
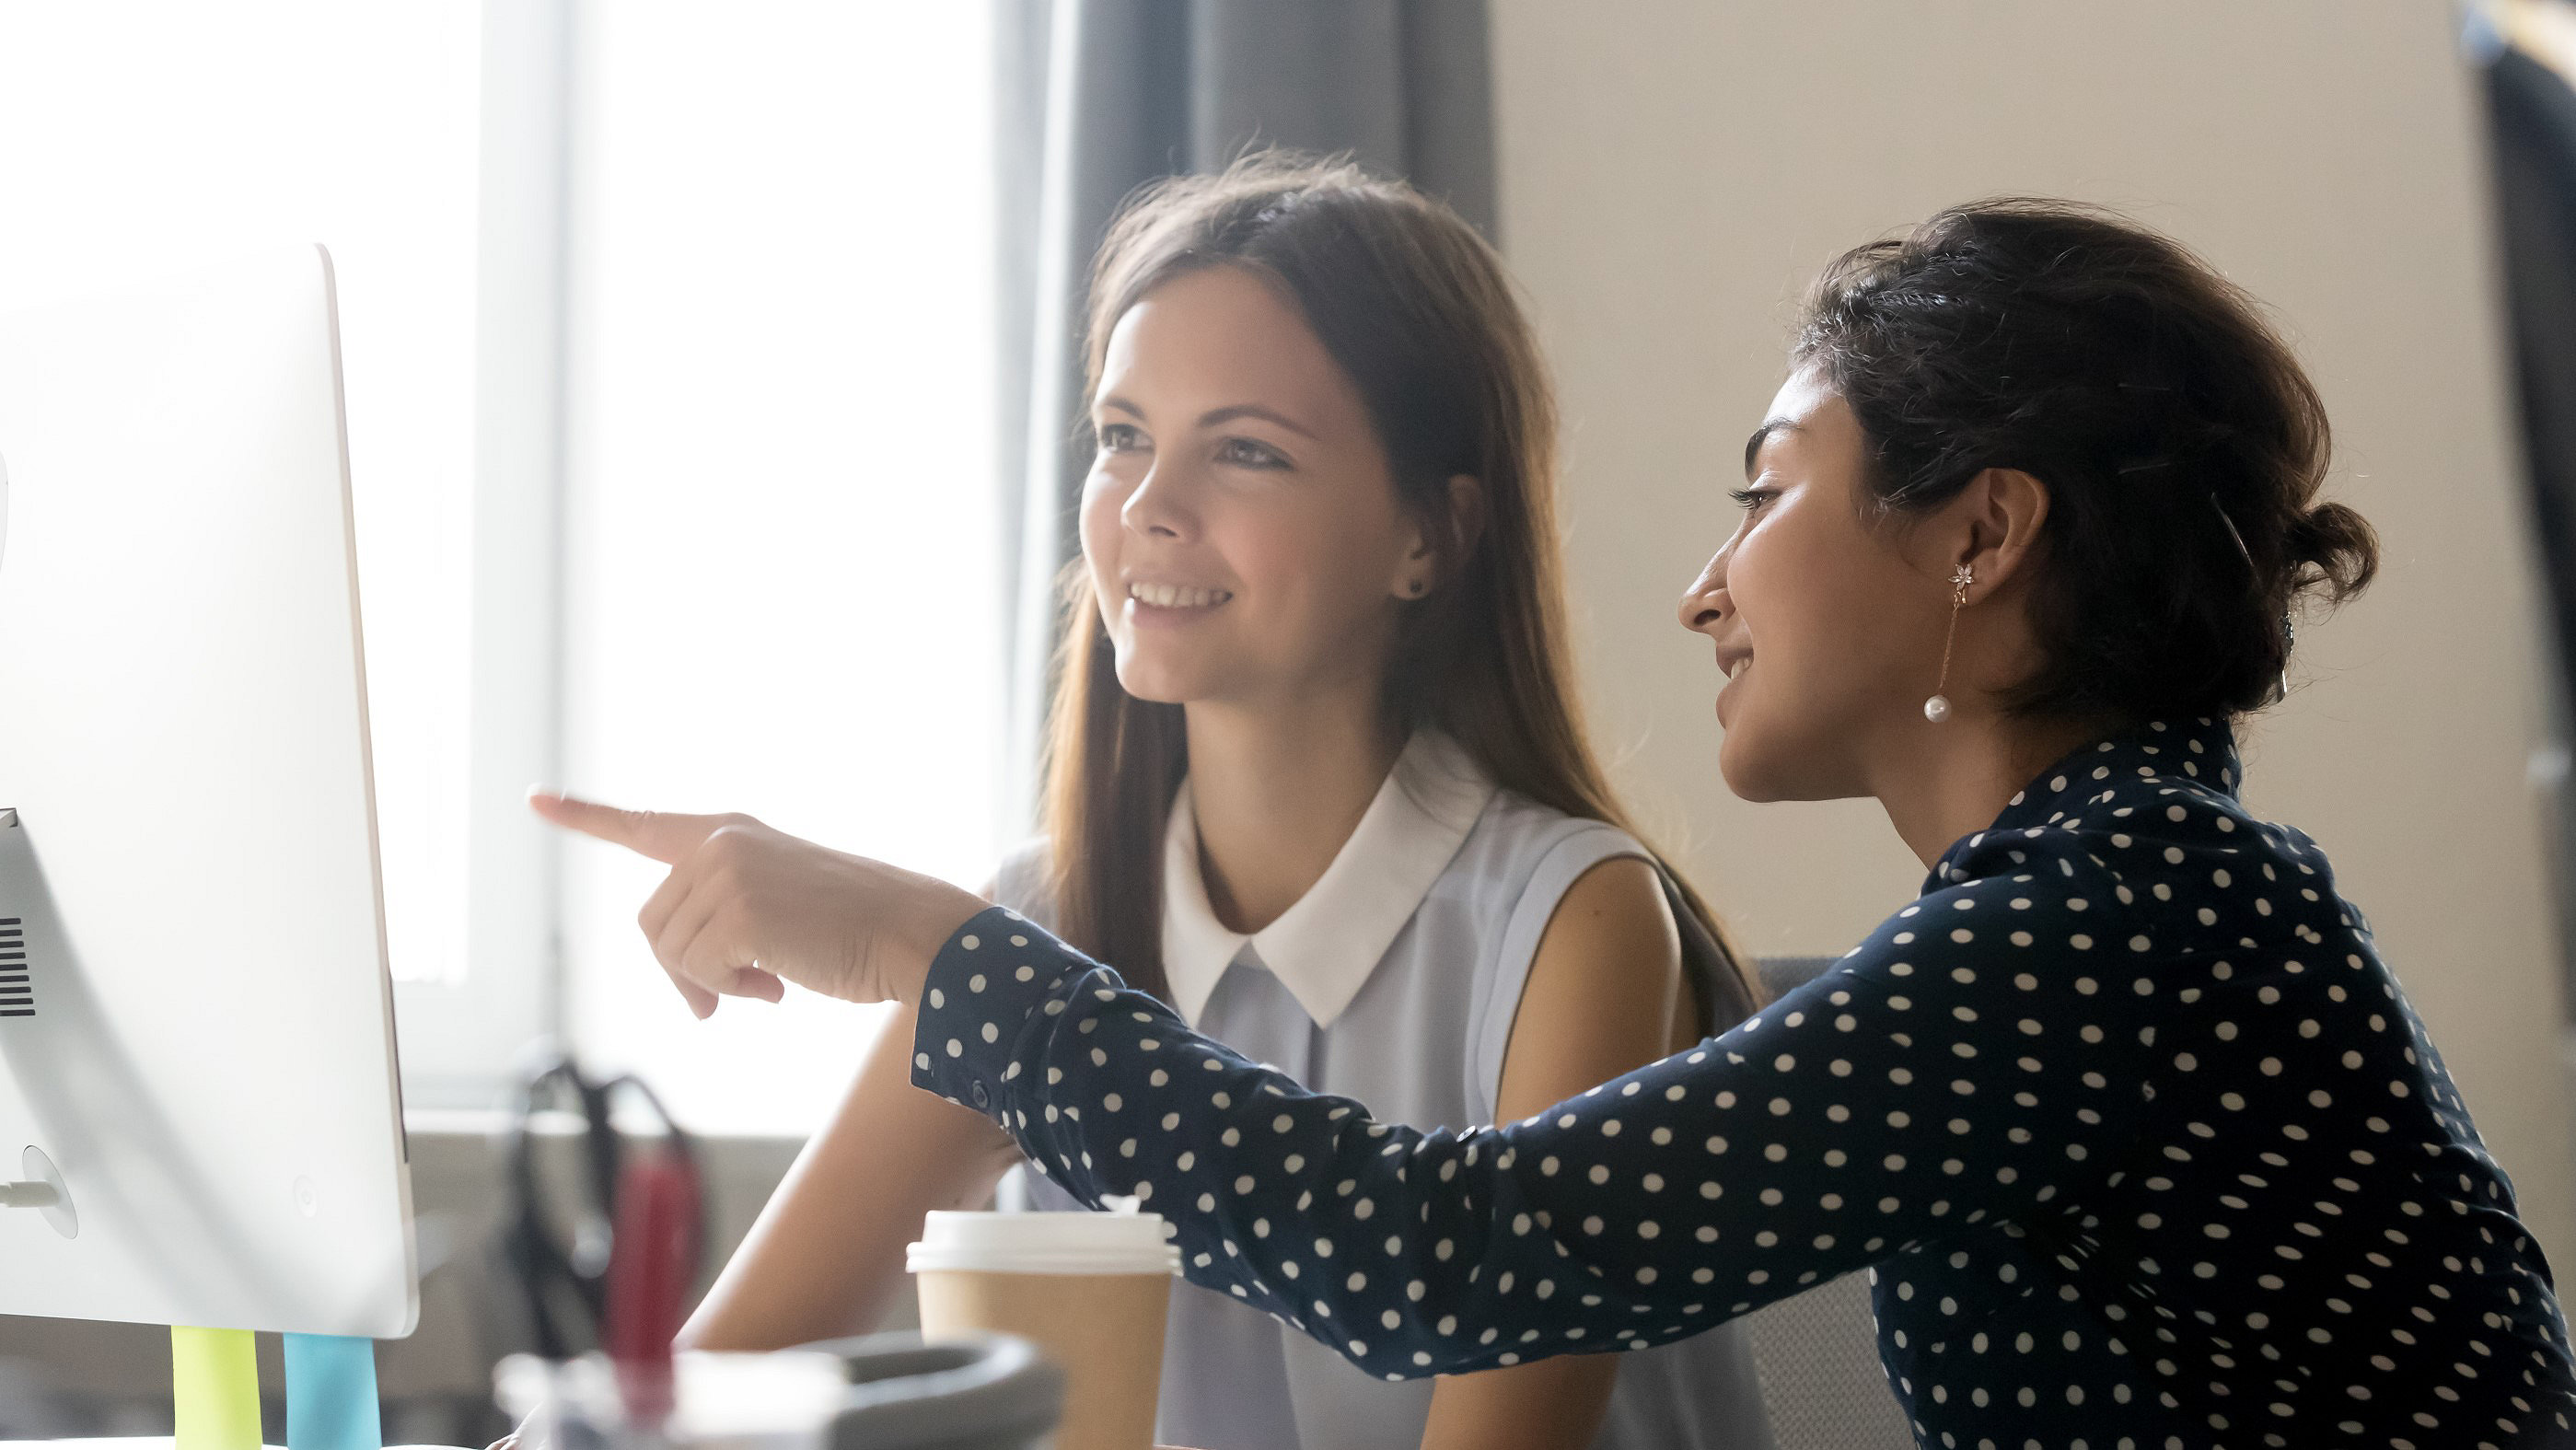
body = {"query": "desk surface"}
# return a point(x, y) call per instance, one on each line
point(166, 1444)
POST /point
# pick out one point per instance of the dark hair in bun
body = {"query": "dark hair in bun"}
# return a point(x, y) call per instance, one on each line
point(2182, 445)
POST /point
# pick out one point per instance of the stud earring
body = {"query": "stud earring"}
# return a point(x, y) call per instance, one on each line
point(1937, 709)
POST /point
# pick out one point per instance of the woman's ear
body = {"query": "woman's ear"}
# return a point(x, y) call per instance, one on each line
point(1441, 546)
point(1996, 522)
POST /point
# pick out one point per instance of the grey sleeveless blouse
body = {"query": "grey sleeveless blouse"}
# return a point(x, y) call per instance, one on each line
point(1419, 1036)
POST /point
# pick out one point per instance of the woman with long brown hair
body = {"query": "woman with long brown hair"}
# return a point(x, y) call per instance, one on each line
point(1318, 779)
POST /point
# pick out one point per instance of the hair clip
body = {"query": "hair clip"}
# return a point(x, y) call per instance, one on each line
point(2289, 633)
point(2221, 510)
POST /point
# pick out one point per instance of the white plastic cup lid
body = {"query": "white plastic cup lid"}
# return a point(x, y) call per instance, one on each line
point(1044, 1243)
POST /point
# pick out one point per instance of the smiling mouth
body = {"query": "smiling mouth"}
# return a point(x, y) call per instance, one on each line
point(1177, 596)
point(1735, 670)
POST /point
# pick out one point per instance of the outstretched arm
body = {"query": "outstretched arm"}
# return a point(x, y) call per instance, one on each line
point(1891, 1099)
point(1815, 1138)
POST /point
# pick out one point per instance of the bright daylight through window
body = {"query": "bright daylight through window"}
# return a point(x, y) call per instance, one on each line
point(777, 565)
point(780, 533)
point(137, 140)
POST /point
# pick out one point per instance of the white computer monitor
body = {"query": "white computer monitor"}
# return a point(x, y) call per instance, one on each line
point(196, 1018)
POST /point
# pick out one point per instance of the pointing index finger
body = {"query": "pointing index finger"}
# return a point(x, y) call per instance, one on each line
point(665, 836)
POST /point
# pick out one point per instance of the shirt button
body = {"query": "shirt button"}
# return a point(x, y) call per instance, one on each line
point(982, 1098)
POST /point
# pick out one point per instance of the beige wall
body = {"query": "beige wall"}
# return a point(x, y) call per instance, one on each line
point(1674, 171)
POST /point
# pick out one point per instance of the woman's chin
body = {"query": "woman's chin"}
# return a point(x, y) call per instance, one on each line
point(1742, 771)
point(1158, 682)
point(1739, 764)
point(1755, 772)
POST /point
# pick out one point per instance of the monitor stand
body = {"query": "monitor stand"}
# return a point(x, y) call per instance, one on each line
point(214, 1373)
point(330, 1391)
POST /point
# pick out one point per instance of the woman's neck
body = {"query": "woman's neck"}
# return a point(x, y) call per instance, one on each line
point(1951, 779)
point(1277, 790)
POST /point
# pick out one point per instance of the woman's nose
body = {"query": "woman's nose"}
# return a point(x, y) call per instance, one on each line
point(1156, 506)
point(1704, 603)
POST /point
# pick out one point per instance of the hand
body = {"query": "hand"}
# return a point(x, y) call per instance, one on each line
point(746, 906)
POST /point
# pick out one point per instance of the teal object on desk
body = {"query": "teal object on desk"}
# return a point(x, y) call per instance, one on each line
point(331, 1394)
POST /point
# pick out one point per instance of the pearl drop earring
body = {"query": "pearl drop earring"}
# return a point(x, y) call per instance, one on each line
point(1937, 709)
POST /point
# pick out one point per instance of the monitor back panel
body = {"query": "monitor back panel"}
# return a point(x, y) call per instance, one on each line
point(201, 1037)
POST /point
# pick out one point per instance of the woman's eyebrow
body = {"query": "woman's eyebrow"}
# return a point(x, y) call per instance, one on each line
point(1761, 435)
point(1215, 416)
point(1116, 404)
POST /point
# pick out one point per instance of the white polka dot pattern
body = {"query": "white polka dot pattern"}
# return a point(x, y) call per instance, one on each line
point(2139, 1140)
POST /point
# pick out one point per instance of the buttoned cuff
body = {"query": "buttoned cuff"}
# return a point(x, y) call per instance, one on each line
point(997, 975)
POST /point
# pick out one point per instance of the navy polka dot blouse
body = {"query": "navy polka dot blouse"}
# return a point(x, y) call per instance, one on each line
point(2138, 1139)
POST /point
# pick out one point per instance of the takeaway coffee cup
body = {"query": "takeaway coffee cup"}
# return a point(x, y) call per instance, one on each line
point(1090, 1288)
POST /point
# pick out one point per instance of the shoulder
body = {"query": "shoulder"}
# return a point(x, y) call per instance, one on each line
point(2152, 864)
point(1519, 847)
point(1590, 900)
point(1602, 988)
point(2130, 898)
point(1517, 867)
point(1574, 916)
point(1614, 917)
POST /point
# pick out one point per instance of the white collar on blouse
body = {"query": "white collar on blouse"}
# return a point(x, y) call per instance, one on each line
point(1324, 947)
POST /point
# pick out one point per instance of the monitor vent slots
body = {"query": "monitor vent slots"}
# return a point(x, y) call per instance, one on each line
point(17, 993)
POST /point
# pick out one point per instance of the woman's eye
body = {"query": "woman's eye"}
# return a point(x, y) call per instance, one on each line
point(1752, 499)
point(1120, 437)
point(1247, 453)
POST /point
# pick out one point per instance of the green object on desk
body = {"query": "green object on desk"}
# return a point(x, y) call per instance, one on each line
point(331, 1394)
point(214, 1382)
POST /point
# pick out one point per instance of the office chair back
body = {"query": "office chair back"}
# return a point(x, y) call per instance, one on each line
point(1817, 1353)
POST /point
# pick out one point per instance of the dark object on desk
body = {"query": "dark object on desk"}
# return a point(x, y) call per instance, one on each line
point(658, 1240)
point(559, 1255)
point(993, 1393)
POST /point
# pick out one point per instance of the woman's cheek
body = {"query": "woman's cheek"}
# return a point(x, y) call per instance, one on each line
point(1256, 548)
point(1101, 496)
point(1098, 526)
point(1104, 494)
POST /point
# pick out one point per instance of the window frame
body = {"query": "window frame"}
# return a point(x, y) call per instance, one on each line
point(466, 1040)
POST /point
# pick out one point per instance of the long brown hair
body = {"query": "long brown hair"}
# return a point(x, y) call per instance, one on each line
point(1416, 309)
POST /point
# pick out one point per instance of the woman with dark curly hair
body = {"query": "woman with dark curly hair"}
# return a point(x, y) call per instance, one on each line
point(2134, 1131)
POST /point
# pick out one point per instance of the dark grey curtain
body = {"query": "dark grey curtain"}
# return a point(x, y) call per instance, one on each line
point(2531, 113)
point(1098, 97)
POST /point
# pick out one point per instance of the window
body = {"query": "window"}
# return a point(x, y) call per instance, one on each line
point(780, 535)
point(667, 334)
point(139, 140)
